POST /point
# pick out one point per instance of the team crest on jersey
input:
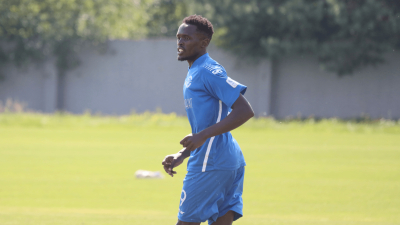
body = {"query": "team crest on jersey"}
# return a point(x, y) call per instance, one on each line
point(214, 69)
point(188, 82)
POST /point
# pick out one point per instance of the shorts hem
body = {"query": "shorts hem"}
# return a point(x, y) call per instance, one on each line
point(184, 220)
point(238, 214)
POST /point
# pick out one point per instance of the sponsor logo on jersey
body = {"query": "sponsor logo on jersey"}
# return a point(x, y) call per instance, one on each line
point(231, 82)
point(214, 69)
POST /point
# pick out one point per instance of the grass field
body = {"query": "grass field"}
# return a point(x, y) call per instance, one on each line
point(65, 169)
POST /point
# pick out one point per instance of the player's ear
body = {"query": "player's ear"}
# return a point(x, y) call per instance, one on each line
point(205, 42)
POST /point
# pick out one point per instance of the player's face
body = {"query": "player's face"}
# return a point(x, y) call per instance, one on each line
point(190, 43)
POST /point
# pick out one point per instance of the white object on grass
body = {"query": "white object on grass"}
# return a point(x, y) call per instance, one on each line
point(148, 174)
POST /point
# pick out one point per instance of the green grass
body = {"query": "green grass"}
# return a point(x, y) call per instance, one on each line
point(68, 169)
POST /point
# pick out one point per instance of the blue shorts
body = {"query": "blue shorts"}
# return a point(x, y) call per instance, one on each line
point(210, 195)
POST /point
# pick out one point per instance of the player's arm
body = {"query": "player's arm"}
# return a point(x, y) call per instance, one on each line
point(174, 160)
point(241, 112)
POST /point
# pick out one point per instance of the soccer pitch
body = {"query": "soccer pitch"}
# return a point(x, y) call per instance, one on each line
point(64, 169)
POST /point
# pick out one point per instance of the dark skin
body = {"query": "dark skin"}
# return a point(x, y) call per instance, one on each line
point(191, 45)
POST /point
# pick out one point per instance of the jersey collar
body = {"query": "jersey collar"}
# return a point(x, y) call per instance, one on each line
point(199, 61)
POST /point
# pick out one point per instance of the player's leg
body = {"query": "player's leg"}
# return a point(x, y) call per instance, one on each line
point(226, 219)
point(186, 223)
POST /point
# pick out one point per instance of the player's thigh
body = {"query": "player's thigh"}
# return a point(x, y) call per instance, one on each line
point(186, 223)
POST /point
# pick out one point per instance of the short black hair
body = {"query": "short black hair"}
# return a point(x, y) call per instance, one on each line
point(203, 24)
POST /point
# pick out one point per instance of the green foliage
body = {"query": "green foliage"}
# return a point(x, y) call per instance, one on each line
point(32, 30)
point(166, 16)
point(344, 35)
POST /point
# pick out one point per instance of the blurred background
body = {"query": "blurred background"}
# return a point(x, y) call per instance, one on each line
point(299, 58)
point(91, 91)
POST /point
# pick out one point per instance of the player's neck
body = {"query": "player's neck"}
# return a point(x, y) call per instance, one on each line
point(191, 61)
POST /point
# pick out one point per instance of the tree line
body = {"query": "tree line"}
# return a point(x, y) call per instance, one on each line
point(344, 35)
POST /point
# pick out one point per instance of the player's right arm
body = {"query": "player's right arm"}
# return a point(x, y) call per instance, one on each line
point(174, 160)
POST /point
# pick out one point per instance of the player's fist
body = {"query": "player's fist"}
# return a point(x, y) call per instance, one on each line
point(193, 141)
point(183, 141)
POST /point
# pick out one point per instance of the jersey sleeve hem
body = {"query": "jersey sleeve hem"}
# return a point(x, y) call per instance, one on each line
point(242, 90)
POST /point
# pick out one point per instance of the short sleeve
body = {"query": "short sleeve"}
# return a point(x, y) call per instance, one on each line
point(220, 86)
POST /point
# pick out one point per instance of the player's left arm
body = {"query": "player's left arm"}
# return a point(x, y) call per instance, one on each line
point(241, 112)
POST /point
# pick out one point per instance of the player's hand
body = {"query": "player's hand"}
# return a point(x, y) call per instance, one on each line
point(193, 141)
point(171, 161)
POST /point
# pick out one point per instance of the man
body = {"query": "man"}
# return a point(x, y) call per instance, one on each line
point(212, 189)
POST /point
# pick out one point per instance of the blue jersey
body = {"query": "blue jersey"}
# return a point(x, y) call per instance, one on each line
point(209, 95)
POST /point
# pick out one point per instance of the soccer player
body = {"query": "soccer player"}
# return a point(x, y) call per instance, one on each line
point(212, 189)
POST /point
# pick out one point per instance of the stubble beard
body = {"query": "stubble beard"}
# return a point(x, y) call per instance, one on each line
point(192, 57)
